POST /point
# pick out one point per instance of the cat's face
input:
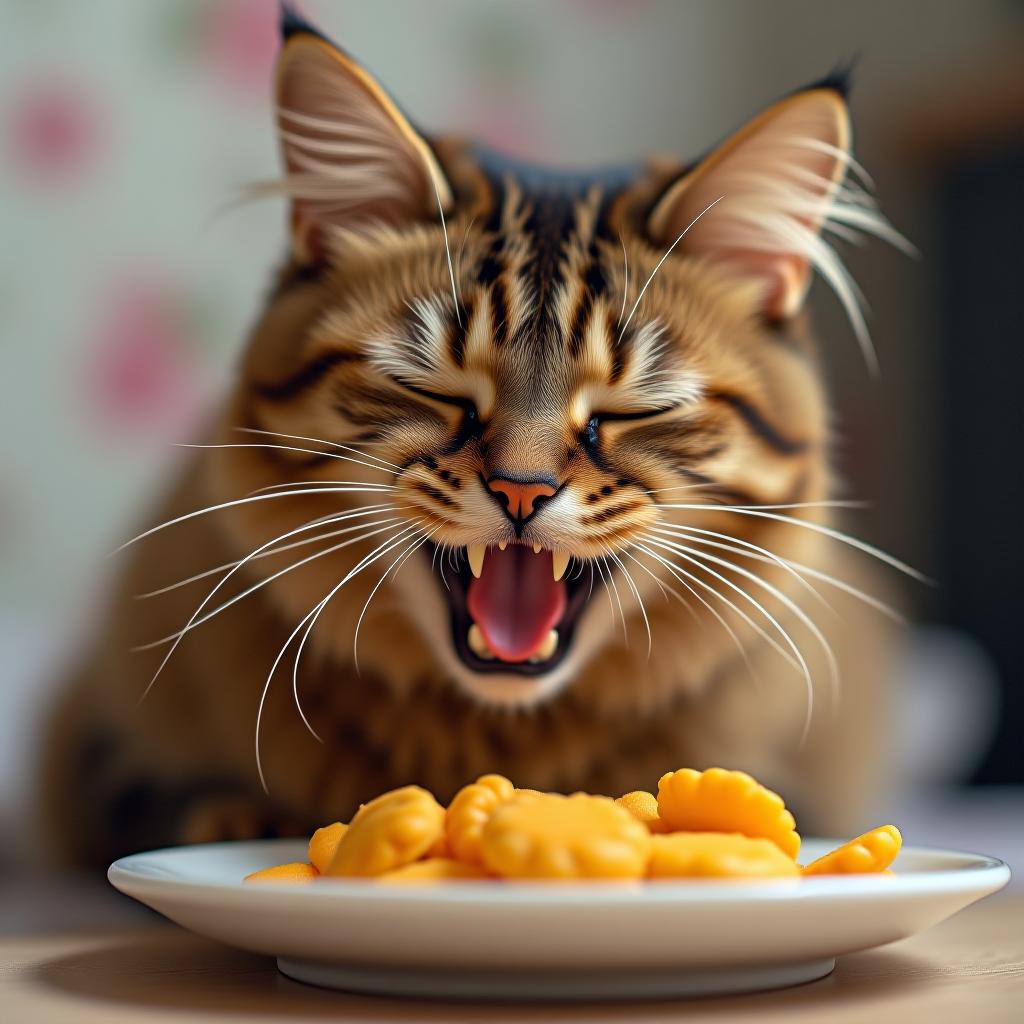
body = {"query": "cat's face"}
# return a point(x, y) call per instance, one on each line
point(510, 400)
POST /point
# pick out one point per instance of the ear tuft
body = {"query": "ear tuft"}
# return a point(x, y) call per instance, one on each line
point(839, 80)
point(783, 185)
point(351, 156)
point(293, 22)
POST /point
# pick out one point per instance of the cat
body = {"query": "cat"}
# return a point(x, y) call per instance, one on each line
point(523, 471)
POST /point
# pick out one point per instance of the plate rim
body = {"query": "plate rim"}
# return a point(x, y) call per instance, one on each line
point(984, 872)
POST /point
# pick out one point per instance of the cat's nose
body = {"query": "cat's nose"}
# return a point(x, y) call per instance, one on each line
point(520, 498)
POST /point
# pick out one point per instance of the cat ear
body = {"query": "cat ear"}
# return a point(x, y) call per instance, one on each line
point(350, 154)
point(780, 184)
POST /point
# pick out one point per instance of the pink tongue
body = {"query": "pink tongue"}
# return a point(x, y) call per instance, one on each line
point(516, 601)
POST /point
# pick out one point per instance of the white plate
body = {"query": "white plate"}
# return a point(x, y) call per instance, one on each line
point(528, 941)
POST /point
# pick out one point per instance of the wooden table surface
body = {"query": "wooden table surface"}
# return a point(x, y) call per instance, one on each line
point(969, 970)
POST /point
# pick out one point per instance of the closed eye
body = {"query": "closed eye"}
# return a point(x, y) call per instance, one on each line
point(591, 433)
point(467, 405)
point(471, 425)
point(645, 414)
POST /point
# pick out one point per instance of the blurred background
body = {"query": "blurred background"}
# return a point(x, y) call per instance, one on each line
point(127, 282)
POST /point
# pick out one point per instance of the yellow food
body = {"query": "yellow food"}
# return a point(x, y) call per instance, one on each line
point(437, 869)
point(872, 852)
point(710, 824)
point(564, 837)
point(285, 873)
point(718, 855)
point(470, 811)
point(718, 800)
point(324, 844)
point(439, 848)
point(388, 832)
point(499, 785)
point(644, 807)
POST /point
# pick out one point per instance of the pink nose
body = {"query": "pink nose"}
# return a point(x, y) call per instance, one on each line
point(521, 497)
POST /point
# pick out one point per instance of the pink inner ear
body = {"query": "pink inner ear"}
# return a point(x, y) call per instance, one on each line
point(785, 279)
point(351, 157)
point(776, 181)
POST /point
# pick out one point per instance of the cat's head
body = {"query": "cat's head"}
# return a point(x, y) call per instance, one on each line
point(512, 379)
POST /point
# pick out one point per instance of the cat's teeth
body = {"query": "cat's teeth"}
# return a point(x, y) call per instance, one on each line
point(502, 544)
point(536, 549)
point(475, 554)
point(549, 645)
point(559, 563)
point(546, 649)
point(477, 643)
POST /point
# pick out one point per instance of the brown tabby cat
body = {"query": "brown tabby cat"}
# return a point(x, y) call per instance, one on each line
point(522, 472)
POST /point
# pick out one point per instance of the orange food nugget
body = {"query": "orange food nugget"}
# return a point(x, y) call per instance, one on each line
point(872, 852)
point(285, 873)
point(390, 831)
point(324, 844)
point(644, 807)
point(546, 836)
point(718, 800)
point(469, 812)
point(718, 855)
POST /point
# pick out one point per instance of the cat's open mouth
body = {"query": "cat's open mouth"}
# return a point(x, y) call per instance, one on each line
point(509, 613)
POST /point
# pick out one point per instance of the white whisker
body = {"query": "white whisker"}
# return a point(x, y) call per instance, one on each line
point(636, 594)
point(434, 566)
point(761, 632)
point(359, 513)
point(848, 588)
point(737, 544)
point(596, 564)
point(447, 251)
point(234, 504)
point(396, 565)
point(462, 246)
point(195, 622)
point(799, 567)
point(618, 600)
point(192, 621)
point(280, 654)
point(666, 591)
point(831, 503)
point(826, 531)
point(678, 574)
point(319, 440)
point(285, 448)
point(386, 545)
point(805, 669)
point(668, 252)
point(681, 487)
point(785, 600)
point(302, 485)
point(440, 566)
point(625, 281)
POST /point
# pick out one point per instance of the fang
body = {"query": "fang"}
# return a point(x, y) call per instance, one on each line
point(475, 554)
point(559, 563)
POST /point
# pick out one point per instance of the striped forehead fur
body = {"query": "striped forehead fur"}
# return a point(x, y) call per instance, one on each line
point(653, 375)
point(416, 353)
